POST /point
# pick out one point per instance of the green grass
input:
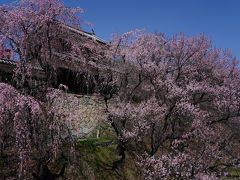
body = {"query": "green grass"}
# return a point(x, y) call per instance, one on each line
point(234, 172)
point(95, 140)
point(97, 158)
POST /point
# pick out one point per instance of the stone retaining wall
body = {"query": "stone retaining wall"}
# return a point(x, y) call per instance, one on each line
point(88, 112)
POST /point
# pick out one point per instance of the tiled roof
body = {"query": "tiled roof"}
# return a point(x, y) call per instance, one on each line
point(6, 61)
point(84, 33)
point(14, 63)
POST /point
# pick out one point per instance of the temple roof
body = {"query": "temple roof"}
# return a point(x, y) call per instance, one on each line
point(6, 61)
point(85, 33)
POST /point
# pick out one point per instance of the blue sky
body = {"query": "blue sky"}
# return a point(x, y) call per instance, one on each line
point(217, 19)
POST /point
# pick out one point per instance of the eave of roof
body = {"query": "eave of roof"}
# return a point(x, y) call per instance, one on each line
point(6, 61)
point(14, 63)
point(84, 33)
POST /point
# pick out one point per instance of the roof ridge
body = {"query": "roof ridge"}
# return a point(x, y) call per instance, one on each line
point(83, 32)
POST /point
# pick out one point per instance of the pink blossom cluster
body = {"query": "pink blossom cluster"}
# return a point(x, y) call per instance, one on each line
point(186, 125)
point(35, 126)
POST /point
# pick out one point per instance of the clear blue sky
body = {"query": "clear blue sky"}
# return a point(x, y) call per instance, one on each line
point(217, 19)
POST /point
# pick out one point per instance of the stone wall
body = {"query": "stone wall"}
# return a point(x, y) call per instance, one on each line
point(88, 115)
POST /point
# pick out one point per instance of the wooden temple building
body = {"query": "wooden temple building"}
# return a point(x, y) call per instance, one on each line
point(67, 76)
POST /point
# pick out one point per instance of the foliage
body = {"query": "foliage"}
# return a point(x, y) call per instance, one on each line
point(173, 103)
point(40, 33)
point(34, 128)
point(188, 124)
